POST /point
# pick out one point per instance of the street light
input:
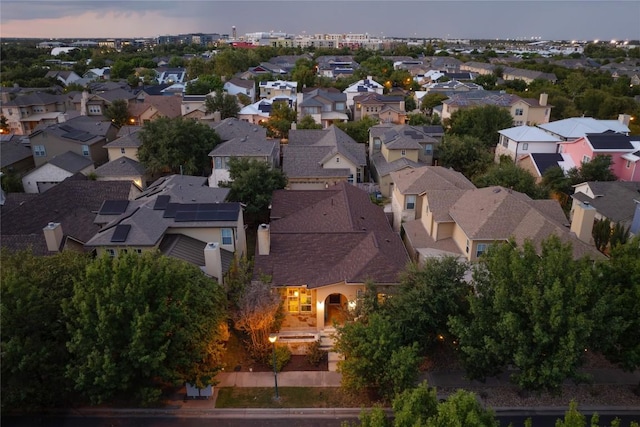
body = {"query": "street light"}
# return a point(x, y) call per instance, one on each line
point(273, 337)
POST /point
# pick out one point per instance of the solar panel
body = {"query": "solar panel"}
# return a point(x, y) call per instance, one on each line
point(170, 210)
point(206, 212)
point(161, 203)
point(113, 207)
point(121, 233)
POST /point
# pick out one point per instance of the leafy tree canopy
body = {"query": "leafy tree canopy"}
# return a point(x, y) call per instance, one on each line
point(358, 130)
point(225, 104)
point(280, 120)
point(482, 123)
point(307, 122)
point(508, 175)
point(465, 154)
point(118, 112)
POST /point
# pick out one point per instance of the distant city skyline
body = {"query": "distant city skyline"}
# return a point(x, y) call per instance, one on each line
point(471, 19)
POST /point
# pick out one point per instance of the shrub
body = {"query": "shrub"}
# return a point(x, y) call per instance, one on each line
point(283, 356)
point(315, 355)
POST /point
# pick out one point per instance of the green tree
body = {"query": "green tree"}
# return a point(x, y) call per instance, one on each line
point(224, 103)
point(140, 322)
point(34, 335)
point(121, 69)
point(487, 81)
point(508, 175)
point(280, 120)
point(409, 103)
point(374, 357)
point(482, 123)
point(601, 233)
point(413, 407)
point(204, 85)
point(598, 169)
point(462, 409)
point(307, 122)
point(176, 145)
point(4, 125)
point(418, 120)
point(532, 309)
point(464, 154)
point(118, 112)
point(358, 130)
point(252, 182)
point(555, 181)
point(304, 73)
point(428, 295)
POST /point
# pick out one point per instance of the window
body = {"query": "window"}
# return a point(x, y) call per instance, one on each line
point(586, 159)
point(467, 245)
point(122, 150)
point(519, 111)
point(518, 123)
point(111, 252)
point(525, 146)
point(227, 236)
point(39, 151)
point(403, 153)
point(298, 300)
point(305, 300)
point(226, 163)
point(218, 162)
point(85, 150)
point(428, 149)
point(628, 164)
point(410, 202)
point(359, 176)
point(138, 251)
point(350, 179)
point(481, 248)
point(337, 159)
point(376, 142)
point(505, 141)
point(94, 109)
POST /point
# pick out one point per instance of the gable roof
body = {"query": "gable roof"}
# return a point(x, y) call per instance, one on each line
point(72, 203)
point(244, 83)
point(429, 178)
point(127, 137)
point(615, 200)
point(246, 147)
point(70, 161)
point(526, 133)
point(544, 161)
point(12, 150)
point(35, 98)
point(122, 166)
point(323, 237)
point(481, 97)
point(232, 127)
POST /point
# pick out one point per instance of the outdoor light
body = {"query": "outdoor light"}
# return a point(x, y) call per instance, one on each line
point(273, 337)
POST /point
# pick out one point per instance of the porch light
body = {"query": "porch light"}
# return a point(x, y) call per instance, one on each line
point(295, 293)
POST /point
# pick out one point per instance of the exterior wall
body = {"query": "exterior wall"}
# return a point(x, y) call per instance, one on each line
point(400, 214)
point(234, 90)
point(527, 164)
point(443, 230)
point(340, 162)
point(460, 238)
point(350, 291)
point(629, 171)
point(55, 146)
point(577, 150)
point(392, 117)
point(391, 155)
point(211, 234)
point(115, 153)
point(252, 118)
point(385, 183)
point(522, 148)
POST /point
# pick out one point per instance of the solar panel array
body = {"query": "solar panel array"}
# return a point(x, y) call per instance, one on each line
point(78, 135)
point(202, 212)
point(161, 203)
point(121, 232)
point(113, 207)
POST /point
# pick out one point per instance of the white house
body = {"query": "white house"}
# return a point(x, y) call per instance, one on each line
point(360, 87)
point(518, 141)
point(55, 171)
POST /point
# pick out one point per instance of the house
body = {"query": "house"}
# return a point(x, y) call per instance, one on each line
point(103, 73)
point(15, 155)
point(617, 201)
point(360, 87)
point(623, 149)
point(66, 77)
point(386, 108)
point(179, 215)
point(249, 147)
point(194, 106)
point(316, 159)
point(237, 86)
point(154, 107)
point(538, 163)
point(231, 128)
point(320, 248)
point(123, 169)
point(277, 89)
point(441, 213)
point(83, 135)
point(265, 68)
point(126, 144)
point(451, 86)
point(481, 68)
point(26, 112)
point(397, 147)
point(260, 111)
point(524, 111)
point(95, 104)
point(171, 75)
point(518, 141)
point(335, 66)
point(326, 106)
point(58, 219)
point(55, 171)
point(528, 76)
point(577, 127)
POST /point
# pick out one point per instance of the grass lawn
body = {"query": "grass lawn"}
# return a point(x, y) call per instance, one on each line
point(290, 397)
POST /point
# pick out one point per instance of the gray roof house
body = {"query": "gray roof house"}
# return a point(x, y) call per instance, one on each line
point(326, 106)
point(123, 169)
point(231, 128)
point(55, 171)
point(315, 159)
point(262, 149)
point(179, 215)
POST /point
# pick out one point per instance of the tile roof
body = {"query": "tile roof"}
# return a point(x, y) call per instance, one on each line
point(323, 237)
point(70, 161)
point(73, 203)
point(121, 167)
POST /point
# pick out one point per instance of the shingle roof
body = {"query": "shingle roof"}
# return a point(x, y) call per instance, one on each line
point(37, 98)
point(384, 168)
point(615, 200)
point(247, 84)
point(128, 137)
point(191, 250)
point(121, 167)
point(73, 203)
point(430, 178)
point(481, 97)
point(231, 128)
point(246, 147)
point(12, 151)
point(323, 237)
point(70, 161)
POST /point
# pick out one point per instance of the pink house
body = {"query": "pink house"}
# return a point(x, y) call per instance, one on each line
point(623, 149)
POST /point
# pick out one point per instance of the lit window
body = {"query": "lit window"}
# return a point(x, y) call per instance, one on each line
point(410, 202)
point(227, 236)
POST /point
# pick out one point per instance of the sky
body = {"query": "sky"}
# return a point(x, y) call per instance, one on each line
point(470, 19)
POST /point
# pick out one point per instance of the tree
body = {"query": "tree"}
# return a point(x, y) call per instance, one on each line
point(34, 336)
point(121, 69)
point(482, 123)
point(409, 103)
point(118, 112)
point(252, 182)
point(418, 120)
point(555, 181)
point(487, 81)
point(304, 73)
point(413, 407)
point(280, 120)
point(601, 234)
point(204, 85)
point(428, 295)
point(176, 145)
point(508, 175)
point(4, 125)
point(259, 313)
point(224, 103)
point(307, 122)
point(598, 169)
point(465, 154)
point(358, 130)
point(533, 310)
point(374, 357)
point(140, 322)
point(462, 409)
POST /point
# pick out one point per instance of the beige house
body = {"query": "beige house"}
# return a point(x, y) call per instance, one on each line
point(387, 109)
point(441, 213)
point(126, 144)
point(277, 89)
point(26, 112)
point(319, 249)
point(154, 107)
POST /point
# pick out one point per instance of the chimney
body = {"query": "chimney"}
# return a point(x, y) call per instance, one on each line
point(625, 119)
point(216, 116)
point(582, 224)
point(264, 239)
point(543, 99)
point(53, 235)
point(213, 261)
point(83, 103)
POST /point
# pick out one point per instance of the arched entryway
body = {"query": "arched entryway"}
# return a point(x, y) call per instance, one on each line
point(335, 309)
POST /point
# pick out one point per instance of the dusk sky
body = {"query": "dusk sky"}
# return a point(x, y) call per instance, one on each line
point(549, 20)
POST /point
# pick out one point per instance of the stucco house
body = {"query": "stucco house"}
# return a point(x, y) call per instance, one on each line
point(320, 248)
point(397, 147)
point(577, 127)
point(125, 144)
point(277, 89)
point(326, 106)
point(518, 141)
point(386, 108)
point(440, 213)
point(82, 135)
point(237, 86)
point(623, 149)
point(179, 215)
point(55, 171)
point(254, 147)
point(315, 159)
point(26, 112)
